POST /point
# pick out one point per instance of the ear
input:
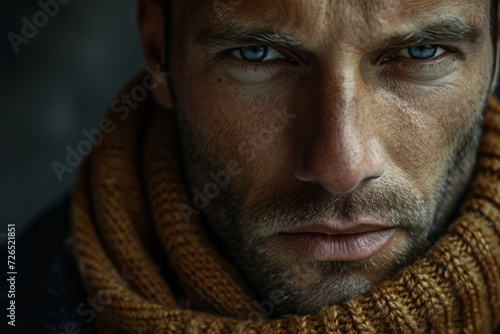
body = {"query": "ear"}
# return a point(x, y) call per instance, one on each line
point(151, 25)
point(494, 82)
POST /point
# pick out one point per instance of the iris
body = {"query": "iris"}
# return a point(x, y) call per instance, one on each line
point(254, 53)
point(423, 52)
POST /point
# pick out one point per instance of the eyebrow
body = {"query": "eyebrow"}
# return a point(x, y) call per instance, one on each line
point(446, 29)
point(232, 34)
point(443, 29)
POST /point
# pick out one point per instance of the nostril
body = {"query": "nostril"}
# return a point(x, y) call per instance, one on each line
point(339, 172)
point(346, 186)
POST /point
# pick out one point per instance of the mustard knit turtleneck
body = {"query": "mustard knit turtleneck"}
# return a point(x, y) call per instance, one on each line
point(127, 195)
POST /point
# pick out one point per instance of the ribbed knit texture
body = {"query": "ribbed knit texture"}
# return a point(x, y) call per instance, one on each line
point(127, 197)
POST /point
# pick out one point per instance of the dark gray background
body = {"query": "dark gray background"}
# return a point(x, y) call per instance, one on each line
point(59, 84)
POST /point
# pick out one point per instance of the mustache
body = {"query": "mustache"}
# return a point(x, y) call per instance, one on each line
point(390, 205)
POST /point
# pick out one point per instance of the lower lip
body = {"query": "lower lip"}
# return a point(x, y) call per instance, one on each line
point(339, 247)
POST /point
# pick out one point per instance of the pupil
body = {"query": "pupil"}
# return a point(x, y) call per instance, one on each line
point(254, 53)
point(423, 51)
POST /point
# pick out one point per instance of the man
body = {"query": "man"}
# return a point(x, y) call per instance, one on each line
point(308, 167)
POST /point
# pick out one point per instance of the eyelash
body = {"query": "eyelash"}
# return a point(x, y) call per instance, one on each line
point(296, 66)
point(383, 58)
point(391, 56)
point(288, 56)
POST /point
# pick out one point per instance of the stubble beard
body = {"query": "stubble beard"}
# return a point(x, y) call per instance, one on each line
point(296, 285)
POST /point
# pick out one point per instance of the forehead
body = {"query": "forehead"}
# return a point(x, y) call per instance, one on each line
point(334, 17)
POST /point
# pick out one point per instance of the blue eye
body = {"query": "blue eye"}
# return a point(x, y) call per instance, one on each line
point(254, 53)
point(257, 53)
point(421, 52)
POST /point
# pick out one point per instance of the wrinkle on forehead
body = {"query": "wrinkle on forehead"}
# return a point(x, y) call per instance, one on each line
point(346, 20)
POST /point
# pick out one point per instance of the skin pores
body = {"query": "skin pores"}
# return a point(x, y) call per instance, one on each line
point(334, 113)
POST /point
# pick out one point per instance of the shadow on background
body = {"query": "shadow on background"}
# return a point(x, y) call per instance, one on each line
point(59, 83)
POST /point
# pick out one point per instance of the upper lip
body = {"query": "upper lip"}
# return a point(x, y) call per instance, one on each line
point(353, 228)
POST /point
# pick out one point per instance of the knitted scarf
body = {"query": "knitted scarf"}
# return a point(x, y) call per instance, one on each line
point(137, 254)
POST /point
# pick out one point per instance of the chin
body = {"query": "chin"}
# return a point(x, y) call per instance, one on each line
point(300, 285)
point(328, 292)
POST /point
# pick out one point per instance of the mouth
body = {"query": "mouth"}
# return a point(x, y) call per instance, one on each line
point(326, 243)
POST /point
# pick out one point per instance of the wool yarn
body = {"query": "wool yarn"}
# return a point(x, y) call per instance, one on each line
point(137, 254)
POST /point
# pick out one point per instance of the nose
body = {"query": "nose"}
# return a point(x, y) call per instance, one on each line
point(337, 146)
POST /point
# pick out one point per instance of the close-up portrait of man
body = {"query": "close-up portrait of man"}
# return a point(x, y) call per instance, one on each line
point(284, 166)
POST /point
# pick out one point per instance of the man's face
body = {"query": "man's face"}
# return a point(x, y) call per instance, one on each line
point(348, 130)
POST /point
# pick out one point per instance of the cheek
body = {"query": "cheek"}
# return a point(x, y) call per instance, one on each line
point(251, 126)
point(426, 126)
